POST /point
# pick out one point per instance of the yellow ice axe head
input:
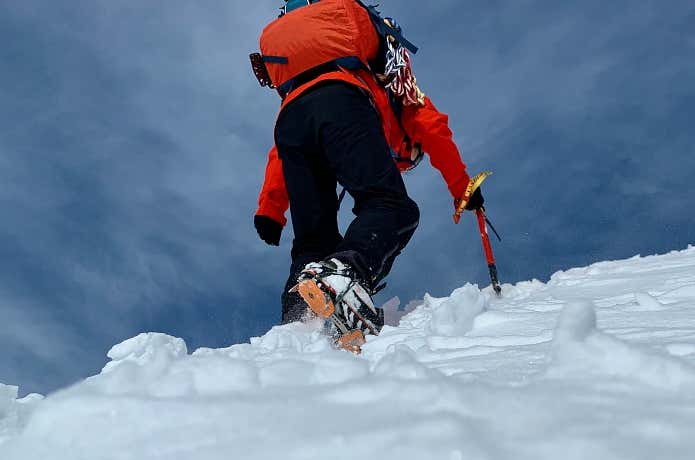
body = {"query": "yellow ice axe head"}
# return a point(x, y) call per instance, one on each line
point(473, 185)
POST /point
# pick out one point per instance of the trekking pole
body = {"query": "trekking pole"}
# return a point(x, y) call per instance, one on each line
point(474, 183)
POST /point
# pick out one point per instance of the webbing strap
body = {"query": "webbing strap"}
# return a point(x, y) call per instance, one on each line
point(276, 59)
point(350, 63)
point(384, 29)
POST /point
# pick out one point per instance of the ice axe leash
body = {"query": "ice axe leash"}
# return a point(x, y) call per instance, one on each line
point(483, 222)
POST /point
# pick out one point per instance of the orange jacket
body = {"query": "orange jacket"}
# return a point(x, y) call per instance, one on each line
point(423, 125)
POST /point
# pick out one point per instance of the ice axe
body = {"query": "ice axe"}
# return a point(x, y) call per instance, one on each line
point(483, 222)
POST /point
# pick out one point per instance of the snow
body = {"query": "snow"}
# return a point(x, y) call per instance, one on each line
point(597, 363)
point(14, 412)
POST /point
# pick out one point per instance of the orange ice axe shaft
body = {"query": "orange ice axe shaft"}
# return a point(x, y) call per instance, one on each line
point(492, 267)
point(473, 185)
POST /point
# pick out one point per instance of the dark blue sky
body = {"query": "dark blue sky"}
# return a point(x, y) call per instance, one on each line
point(133, 139)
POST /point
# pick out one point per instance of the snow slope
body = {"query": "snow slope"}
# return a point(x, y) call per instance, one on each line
point(598, 363)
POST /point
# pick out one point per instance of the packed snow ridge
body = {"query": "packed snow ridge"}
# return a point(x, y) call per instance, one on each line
point(599, 363)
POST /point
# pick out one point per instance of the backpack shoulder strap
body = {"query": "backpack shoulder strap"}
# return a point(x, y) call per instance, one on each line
point(384, 29)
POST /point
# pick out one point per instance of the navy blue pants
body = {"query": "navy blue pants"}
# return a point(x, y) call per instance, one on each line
point(330, 135)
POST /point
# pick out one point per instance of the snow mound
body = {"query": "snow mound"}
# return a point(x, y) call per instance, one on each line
point(579, 348)
point(157, 365)
point(454, 315)
point(14, 412)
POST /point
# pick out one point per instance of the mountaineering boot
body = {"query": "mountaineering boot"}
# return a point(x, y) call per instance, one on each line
point(332, 290)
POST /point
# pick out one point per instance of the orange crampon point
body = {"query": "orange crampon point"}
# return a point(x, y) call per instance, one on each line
point(317, 300)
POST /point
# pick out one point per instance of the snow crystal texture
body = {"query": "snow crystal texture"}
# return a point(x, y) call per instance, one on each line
point(597, 363)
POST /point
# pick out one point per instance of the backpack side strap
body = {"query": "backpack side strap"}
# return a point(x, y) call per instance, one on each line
point(385, 30)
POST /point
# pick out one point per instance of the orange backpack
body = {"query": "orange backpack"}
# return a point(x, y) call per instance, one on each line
point(342, 32)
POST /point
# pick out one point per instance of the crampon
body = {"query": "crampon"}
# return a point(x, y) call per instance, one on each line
point(331, 292)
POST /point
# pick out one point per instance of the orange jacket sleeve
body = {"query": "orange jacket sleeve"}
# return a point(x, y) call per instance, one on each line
point(273, 201)
point(429, 127)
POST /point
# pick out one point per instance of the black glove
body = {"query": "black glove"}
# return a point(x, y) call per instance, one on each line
point(268, 229)
point(476, 201)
